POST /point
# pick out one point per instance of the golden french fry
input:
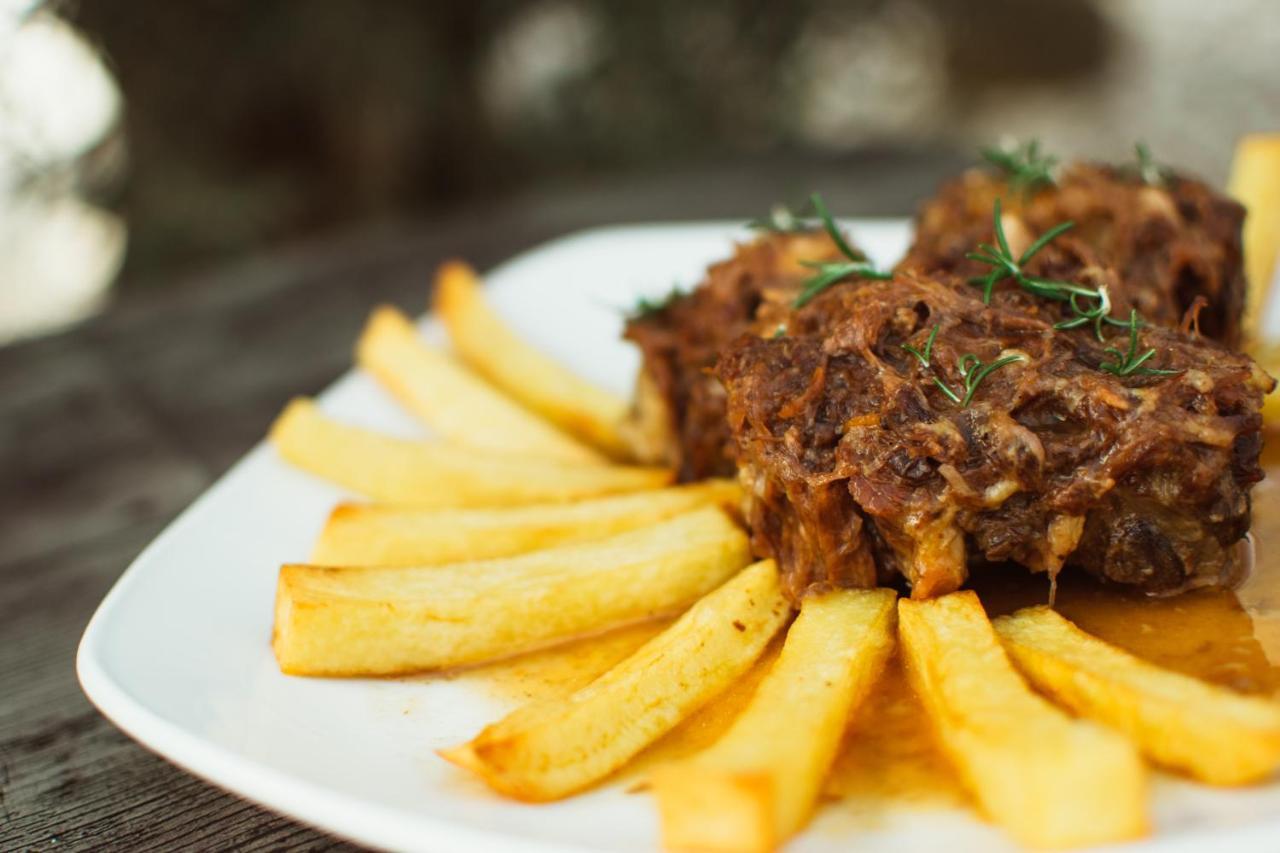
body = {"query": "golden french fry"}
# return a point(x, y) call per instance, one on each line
point(546, 387)
point(1267, 355)
point(757, 785)
point(431, 474)
point(371, 621)
point(382, 535)
point(1217, 736)
point(459, 405)
point(550, 749)
point(1255, 183)
point(1048, 779)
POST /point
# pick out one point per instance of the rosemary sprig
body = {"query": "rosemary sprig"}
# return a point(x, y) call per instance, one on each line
point(647, 305)
point(781, 219)
point(1088, 305)
point(1024, 165)
point(923, 357)
point(1129, 363)
point(1003, 264)
point(827, 273)
point(1146, 168)
point(972, 369)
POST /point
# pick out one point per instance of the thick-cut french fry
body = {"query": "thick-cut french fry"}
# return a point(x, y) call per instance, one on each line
point(492, 348)
point(430, 474)
point(757, 785)
point(1255, 183)
point(1217, 736)
point(363, 621)
point(382, 535)
point(550, 749)
point(459, 405)
point(1050, 780)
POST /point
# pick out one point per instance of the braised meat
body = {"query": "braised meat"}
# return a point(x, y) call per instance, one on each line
point(679, 411)
point(860, 467)
point(1159, 247)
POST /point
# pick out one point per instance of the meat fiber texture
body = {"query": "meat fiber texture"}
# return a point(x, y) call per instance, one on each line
point(859, 468)
point(1158, 247)
point(680, 406)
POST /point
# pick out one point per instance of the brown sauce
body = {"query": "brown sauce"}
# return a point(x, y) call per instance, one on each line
point(888, 759)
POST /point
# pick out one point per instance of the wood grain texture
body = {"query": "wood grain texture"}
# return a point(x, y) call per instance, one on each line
point(109, 430)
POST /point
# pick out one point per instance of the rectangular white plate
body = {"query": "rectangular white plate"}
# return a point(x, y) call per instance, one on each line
point(178, 653)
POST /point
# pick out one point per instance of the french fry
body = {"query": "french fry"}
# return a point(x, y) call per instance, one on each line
point(546, 387)
point(1215, 735)
point(1255, 183)
point(363, 621)
point(547, 750)
point(382, 535)
point(1048, 779)
point(757, 785)
point(431, 474)
point(460, 406)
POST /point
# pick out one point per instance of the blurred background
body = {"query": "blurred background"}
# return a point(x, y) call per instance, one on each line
point(139, 142)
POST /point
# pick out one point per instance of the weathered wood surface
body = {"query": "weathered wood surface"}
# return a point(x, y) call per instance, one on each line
point(107, 431)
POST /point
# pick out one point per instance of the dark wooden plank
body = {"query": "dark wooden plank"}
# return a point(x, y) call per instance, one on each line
point(68, 778)
point(79, 458)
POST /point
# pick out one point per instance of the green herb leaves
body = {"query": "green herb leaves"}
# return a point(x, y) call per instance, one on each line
point(1088, 305)
point(827, 273)
point(647, 305)
point(1024, 165)
point(1145, 167)
point(923, 357)
point(1129, 363)
point(973, 371)
point(971, 367)
point(1004, 265)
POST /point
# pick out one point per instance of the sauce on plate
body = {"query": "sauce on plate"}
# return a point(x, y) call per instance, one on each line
point(888, 758)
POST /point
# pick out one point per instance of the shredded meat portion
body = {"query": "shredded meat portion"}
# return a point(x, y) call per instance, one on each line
point(680, 408)
point(1158, 248)
point(859, 467)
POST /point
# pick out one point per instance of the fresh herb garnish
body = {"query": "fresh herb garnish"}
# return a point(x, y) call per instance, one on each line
point(828, 273)
point(1024, 165)
point(923, 357)
point(1088, 305)
point(781, 220)
point(1129, 363)
point(972, 370)
point(647, 305)
point(1146, 168)
point(780, 331)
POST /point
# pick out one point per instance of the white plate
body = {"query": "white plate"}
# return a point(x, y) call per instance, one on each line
point(178, 654)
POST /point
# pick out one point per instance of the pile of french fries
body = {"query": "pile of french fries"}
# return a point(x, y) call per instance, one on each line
point(521, 525)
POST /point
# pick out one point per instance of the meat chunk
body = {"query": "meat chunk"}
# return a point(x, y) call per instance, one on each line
point(1159, 247)
point(679, 412)
point(859, 466)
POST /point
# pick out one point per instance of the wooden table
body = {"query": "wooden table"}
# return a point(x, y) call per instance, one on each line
point(107, 431)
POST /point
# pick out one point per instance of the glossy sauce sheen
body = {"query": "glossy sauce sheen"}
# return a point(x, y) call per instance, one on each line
point(888, 759)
